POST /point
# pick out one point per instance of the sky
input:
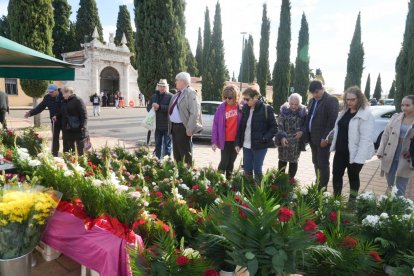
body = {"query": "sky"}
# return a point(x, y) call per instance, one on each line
point(331, 26)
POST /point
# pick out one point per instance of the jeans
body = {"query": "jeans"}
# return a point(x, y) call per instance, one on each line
point(253, 161)
point(162, 143)
point(96, 110)
point(340, 163)
point(320, 160)
point(228, 156)
point(400, 182)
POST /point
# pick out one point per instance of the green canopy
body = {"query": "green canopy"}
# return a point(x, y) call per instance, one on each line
point(18, 61)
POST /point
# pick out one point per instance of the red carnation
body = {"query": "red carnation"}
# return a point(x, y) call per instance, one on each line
point(196, 188)
point(333, 216)
point(285, 214)
point(241, 211)
point(166, 228)
point(211, 272)
point(90, 164)
point(210, 190)
point(375, 256)
point(349, 242)
point(158, 194)
point(310, 225)
point(182, 260)
point(320, 237)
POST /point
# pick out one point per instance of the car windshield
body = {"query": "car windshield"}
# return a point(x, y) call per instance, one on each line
point(378, 111)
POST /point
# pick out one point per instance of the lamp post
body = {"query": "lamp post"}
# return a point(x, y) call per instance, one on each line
point(241, 65)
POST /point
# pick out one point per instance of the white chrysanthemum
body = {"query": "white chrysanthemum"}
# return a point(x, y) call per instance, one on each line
point(184, 186)
point(371, 220)
point(97, 182)
point(34, 163)
point(153, 183)
point(79, 169)
point(304, 191)
point(135, 194)
point(394, 191)
point(145, 203)
point(68, 173)
point(384, 216)
point(145, 189)
point(176, 194)
point(121, 188)
point(294, 196)
point(23, 150)
point(406, 217)
point(218, 201)
point(367, 196)
point(23, 154)
point(113, 179)
point(326, 194)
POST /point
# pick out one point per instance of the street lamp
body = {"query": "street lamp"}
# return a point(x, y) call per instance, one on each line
point(241, 64)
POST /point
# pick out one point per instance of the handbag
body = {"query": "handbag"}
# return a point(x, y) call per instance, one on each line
point(73, 123)
point(87, 145)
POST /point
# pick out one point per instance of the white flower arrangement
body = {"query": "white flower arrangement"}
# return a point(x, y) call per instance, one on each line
point(326, 194)
point(304, 191)
point(97, 182)
point(23, 154)
point(371, 221)
point(367, 196)
point(68, 173)
point(135, 194)
point(34, 163)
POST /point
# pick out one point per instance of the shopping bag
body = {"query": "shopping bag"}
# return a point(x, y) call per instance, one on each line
point(87, 145)
point(149, 120)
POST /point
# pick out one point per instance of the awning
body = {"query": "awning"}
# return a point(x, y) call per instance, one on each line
point(18, 61)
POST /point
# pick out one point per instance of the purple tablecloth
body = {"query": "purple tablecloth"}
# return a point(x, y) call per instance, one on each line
point(97, 248)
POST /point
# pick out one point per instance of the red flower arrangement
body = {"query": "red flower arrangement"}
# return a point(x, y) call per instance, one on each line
point(182, 260)
point(320, 237)
point(349, 242)
point(285, 214)
point(310, 225)
point(211, 272)
point(333, 216)
point(375, 256)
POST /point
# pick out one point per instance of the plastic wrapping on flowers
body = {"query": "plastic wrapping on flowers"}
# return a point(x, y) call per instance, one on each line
point(24, 212)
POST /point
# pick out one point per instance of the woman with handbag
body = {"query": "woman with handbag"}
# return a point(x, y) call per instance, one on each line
point(291, 126)
point(74, 122)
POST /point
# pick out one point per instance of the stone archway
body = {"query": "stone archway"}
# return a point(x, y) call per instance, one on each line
point(109, 84)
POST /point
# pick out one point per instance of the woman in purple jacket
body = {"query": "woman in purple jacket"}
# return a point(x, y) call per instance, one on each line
point(226, 122)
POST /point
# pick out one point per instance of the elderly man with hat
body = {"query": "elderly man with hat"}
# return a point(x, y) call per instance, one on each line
point(160, 102)
point(53, 101)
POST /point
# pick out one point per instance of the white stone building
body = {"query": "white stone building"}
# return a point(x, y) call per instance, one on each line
point(107, 69)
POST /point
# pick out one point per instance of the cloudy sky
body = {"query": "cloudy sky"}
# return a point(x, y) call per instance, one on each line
point(331, 26)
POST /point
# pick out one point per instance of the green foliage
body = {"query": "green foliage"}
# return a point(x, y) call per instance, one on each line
point(34, 88)
point(199, 53)
point(4, 27)
point(281, 70)
point(190, 61)
point(123, 26)
point(87, 19)
point(214, 74)
point(248, 65)
point(391, 94)
point(61, 14)
point(301, 79)
point(405, 62)
point(378, 88)
point(355, 63)
point(263, 65)
point(405, 262)
point(206, 40)
point(367, 91)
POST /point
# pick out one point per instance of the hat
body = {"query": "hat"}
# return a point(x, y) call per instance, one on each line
point(163, 82)
point(52, 87)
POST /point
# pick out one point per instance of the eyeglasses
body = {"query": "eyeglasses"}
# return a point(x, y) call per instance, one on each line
point(246, 99)
point(228, 98)
point(351, 99)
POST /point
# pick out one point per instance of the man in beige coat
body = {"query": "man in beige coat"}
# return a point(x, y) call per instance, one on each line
point(185, 118)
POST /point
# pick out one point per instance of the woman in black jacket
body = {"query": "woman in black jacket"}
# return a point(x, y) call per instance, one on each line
point(255, 134)
point(74, 121)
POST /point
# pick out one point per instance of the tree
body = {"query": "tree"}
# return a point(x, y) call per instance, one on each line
point(156, 42)
point(61, 14)
point(355, 64)
point(34, 32)
point(87, 19)
point(199, 53)
point(206, 39)
point(178, 48)
point(281, 71)
point(71, 44)
point(378, 88)
point(190, 61)
point(391, 94)
point(301, 80)
point(367, 91)
point(404, 82)
point(123, 26)
point(4, 27)
point(263, 65)
point(215, 72)
point(249, 62)
point(291, 75)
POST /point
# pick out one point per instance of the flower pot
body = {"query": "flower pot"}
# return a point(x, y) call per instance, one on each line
point(226, 273)
point(21, 266)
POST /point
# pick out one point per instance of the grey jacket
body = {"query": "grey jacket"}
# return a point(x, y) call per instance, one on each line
point(4, 101)
point(189, 107)
point(324, 118)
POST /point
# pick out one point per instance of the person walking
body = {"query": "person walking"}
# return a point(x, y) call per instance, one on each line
point(352, 141)
point(96, 103)
point(160, 102)
point(185, 118)
point(74, 122)
point(116, 99)
point(291, 126)
point(255, 134)
point(53, 101)
point(393, 150)
point(322, 113)
point(4, 107)
point(224, 132)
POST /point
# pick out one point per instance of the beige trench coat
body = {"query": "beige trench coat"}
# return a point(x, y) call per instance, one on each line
point(389, 143)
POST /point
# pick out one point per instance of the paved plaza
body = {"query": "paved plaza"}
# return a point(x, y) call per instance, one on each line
point(121, 127)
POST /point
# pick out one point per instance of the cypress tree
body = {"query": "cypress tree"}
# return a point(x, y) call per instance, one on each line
point(378, 88)
point(281, 71)
point(199, 53)
point(178, 48)
point(206, 39)
point(291, 75)
point(243, 65)
point(71, 44)
point(263, 65)
point(61, 14)
point(404, 82)
point(123, 26)
point(215, 70)
point(34, 32)
point(355, 64)
point(367, 91)
point(87, 19)
point(250, 62)
point(301, 80)
point(391, 94)
point(4, 27)
point(179, 8)
point(190, 61)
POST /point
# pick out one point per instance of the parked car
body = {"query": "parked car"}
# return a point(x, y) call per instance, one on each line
point(382, 115)
point(389, 102)
point(208, 109)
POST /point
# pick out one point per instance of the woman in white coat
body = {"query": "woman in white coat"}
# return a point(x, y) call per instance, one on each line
point(352, 140)
point(394, 147)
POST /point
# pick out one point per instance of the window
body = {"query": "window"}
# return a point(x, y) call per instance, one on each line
point(11, 86)
point(205, 108)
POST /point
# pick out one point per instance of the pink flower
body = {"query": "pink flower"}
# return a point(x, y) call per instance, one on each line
point(285, 214)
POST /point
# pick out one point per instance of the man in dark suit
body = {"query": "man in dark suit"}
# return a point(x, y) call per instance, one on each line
point(323, 111)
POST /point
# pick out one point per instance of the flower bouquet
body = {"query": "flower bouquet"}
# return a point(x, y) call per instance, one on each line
point(24, 212)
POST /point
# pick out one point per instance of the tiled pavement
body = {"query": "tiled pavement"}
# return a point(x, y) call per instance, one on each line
point(205, 156)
